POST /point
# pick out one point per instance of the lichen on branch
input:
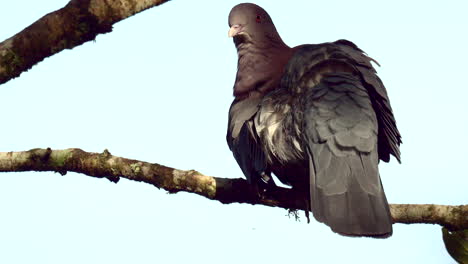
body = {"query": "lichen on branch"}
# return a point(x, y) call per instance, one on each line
point(105, 165)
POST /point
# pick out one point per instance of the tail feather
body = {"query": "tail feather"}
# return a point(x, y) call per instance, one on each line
point(352, 202)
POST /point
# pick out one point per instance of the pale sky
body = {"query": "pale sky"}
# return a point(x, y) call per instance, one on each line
point(158, 89)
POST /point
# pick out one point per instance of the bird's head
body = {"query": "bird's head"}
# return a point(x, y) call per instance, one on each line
point(251, 23)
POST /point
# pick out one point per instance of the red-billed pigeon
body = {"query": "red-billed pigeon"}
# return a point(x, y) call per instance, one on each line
point(318, 117)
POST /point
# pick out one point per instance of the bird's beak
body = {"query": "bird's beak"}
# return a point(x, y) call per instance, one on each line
point(234, 30)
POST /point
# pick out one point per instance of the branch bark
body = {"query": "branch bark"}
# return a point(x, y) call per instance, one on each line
point(105, 165)
point(78, 22)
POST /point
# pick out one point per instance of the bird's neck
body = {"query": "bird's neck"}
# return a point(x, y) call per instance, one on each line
point(259, 67)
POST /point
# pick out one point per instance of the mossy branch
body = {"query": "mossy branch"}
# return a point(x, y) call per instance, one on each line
point(78, 22)
point(105, 165)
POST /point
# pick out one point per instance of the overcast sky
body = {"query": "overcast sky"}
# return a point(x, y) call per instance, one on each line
point(158, 89)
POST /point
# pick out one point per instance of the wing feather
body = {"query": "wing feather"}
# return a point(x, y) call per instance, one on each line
point(345, 188)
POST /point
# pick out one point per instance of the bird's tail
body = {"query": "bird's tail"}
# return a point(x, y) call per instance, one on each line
point(347, 195)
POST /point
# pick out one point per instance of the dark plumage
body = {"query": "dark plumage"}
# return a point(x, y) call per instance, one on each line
point(318, 117)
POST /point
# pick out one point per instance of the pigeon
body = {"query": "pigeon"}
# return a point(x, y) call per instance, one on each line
point(318, 118)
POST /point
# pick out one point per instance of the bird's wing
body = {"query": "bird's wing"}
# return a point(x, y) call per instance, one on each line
point(243, 140)
point(389, 137)
point(340, 133)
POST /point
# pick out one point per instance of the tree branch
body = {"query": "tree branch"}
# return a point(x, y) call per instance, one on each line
point(105, 165)
point(78, 22)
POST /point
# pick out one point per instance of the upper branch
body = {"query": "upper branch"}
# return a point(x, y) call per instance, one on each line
point(105, 165)
point(78, 22)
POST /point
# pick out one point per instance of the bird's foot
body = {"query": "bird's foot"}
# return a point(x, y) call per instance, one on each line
point(266, 186)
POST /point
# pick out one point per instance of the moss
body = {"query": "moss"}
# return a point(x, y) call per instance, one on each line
point(211, 189)
point(115, 172)
point(60, 157)
point(11, 61)
point(106, 153)
point(136, 168)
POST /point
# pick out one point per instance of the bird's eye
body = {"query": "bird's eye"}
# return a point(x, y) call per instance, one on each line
point(258, 19)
